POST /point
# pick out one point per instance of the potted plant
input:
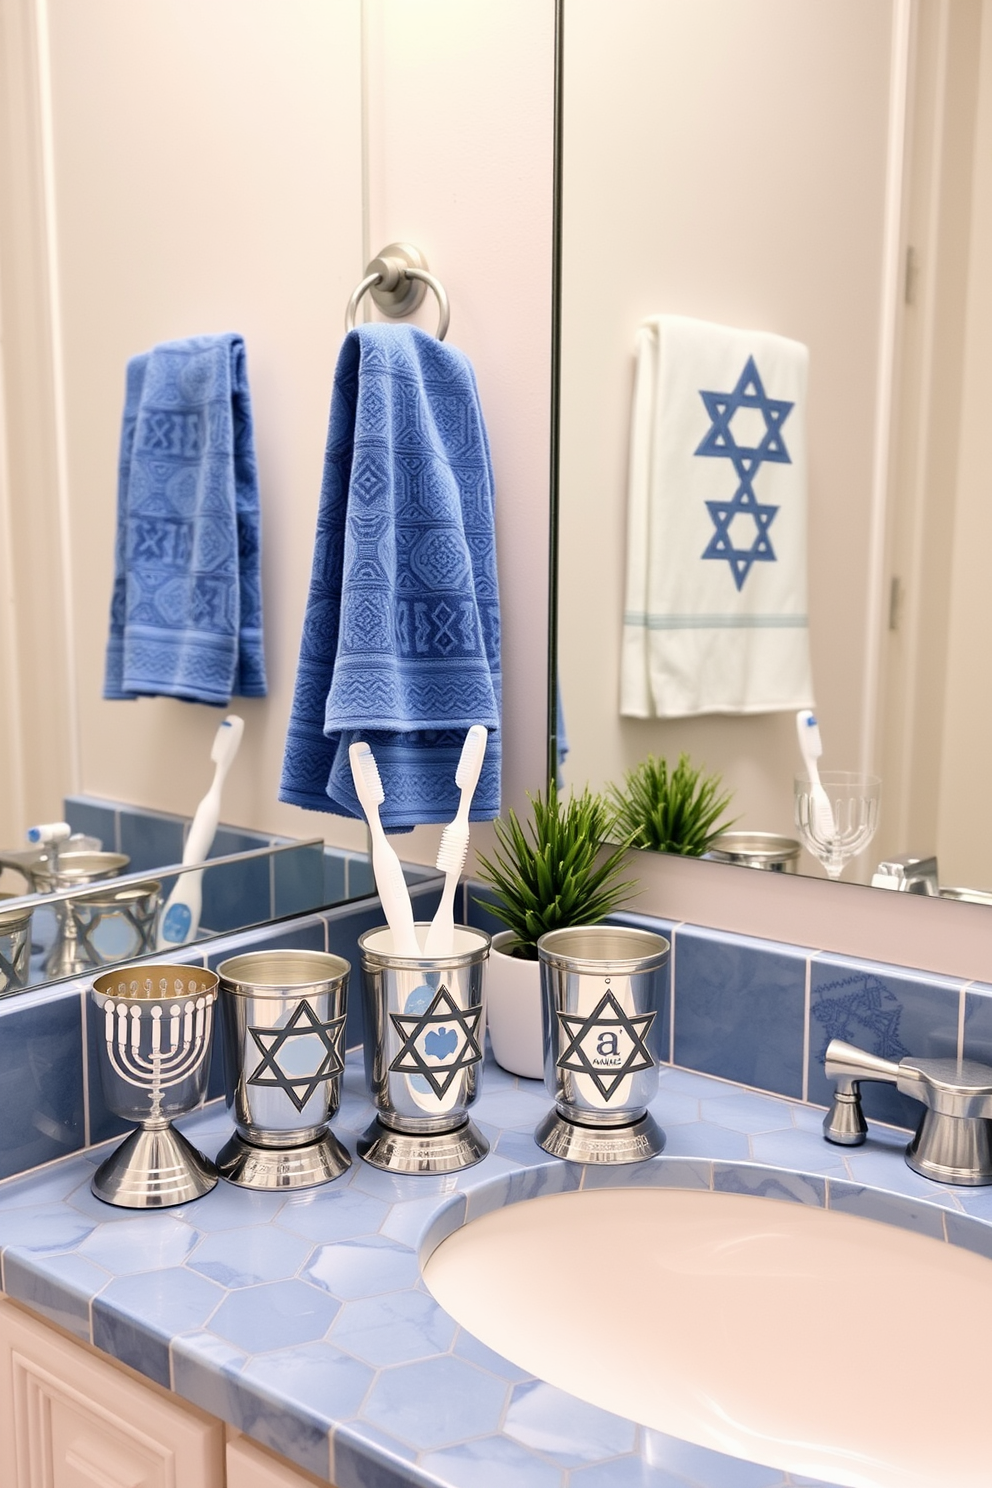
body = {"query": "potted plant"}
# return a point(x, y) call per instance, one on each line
point(677, 811)
point(545, 876)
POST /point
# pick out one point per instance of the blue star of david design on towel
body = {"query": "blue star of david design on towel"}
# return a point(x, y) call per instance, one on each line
point(744, 510)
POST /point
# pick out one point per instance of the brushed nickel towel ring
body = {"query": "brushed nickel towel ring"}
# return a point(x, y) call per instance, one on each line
point(398, 278)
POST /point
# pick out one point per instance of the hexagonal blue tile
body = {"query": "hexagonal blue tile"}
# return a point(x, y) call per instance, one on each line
point(239, 1258)
point(342, 1215)
point(228, 1207)
point(46, 1228)
point(314, 1377)
point(438, 1401)
point(274, 1316)
point(61, 1292)
point(364, 1268)
point(135, 1317)
point(700, 1139)
point(492, 1462)
point(799, 1149)
point(144, 1243)
point(567, 1429)
point(394, 1328)
point(746, 1112)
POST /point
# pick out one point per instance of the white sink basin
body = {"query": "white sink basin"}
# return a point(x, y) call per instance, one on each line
point(808, 1340)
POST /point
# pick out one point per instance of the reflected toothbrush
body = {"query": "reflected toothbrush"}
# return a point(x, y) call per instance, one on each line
point(180, 919)
point(389, 881)
point(453, 848)
point(811, 747)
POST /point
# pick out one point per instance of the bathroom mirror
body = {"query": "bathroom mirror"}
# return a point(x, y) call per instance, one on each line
point(824, 172)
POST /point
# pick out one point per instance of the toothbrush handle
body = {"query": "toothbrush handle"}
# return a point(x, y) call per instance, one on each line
point(441, 935)
point(394, 896)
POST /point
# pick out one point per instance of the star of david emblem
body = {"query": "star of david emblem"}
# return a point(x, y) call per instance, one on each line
point(310, 1052)
point(608, 1045)
point(439, 1042)
point(743, 509)
point(762, 442)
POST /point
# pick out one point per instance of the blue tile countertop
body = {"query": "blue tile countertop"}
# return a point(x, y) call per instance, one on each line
point(304, 1322)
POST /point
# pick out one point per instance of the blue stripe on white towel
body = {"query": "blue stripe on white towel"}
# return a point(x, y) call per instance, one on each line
point(717, 622)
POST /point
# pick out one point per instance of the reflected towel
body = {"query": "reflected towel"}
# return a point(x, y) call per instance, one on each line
point(715, 614)
point(186, 613)
point(400, 639)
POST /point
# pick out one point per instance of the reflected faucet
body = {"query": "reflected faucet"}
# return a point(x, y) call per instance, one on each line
point(908, 874)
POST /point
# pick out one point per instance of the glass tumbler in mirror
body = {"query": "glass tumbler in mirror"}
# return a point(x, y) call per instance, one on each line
point(837, 820)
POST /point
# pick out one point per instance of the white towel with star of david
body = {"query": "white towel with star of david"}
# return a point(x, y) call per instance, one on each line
point(715, 614)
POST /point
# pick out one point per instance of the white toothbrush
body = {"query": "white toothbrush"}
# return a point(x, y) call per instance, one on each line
point(453, 848)
point(181, 915)
point(811, 747)
point(393, 892)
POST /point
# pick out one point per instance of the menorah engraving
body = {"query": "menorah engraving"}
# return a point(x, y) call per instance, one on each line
point(177, 1041)
point(157, 1026)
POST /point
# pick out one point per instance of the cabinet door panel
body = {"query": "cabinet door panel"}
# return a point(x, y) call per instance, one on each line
point(69, 1419)
point(248, 1466)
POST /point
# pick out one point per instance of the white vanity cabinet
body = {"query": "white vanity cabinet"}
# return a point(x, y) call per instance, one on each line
point(71, 1418)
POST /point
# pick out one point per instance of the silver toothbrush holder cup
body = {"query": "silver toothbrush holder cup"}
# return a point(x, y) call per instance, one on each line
point(602, 988)
point(155, 1025)
point(283, 1023)
point(425, 1025)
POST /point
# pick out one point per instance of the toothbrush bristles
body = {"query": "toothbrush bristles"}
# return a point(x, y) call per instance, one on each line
point(362, 756)
point(452, 849)
point(475, 744)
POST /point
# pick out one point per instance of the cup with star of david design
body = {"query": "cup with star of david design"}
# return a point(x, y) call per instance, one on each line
point(602, 992)
point(425, 1026)
point(283, 1019)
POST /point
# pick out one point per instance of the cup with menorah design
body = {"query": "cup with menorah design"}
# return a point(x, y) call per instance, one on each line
point(155, 1026)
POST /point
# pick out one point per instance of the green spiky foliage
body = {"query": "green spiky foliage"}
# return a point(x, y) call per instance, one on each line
point(672, 811)
point(545, 875)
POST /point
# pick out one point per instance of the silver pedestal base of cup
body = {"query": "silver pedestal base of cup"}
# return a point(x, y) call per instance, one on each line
point(305, 1166)
point(600, 1144)
point(421, 1152)
point(154, 1168)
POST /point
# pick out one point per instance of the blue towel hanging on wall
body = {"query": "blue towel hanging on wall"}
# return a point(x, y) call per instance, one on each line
point(401, 634)
point(186, 613)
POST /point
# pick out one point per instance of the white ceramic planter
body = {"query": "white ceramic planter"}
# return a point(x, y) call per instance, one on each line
point(513, 999)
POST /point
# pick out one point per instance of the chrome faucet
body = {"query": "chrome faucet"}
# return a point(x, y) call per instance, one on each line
point(909, 874)
point(953, 1142)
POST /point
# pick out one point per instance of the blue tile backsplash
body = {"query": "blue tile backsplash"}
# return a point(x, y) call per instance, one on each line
point(740, 1009)
point(234, 895)
point(756, 1012)
point(761, 1013)
point(887, 1010)
point(42, 1102)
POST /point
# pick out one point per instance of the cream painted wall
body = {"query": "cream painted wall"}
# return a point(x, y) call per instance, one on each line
point(728, 162)
point(460, 136)
point(964, 827)
point(232, 165)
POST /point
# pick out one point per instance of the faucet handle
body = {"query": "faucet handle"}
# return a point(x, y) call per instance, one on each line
point(844, 1124)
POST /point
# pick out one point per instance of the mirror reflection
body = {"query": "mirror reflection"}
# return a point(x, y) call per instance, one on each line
point(776, 222)
point(128, 222)
point(88, 912)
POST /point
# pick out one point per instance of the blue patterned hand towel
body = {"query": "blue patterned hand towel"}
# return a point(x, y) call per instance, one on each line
point(186, 613)
point(401, 634)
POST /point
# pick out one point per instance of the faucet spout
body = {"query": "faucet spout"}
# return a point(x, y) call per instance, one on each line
point(953, 1142)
